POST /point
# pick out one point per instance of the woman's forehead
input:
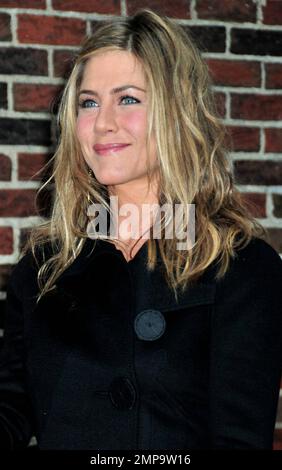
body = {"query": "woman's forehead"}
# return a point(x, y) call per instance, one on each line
point(110, 70)
point(111, 64)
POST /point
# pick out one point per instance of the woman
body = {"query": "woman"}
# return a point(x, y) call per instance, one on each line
point(125, 341)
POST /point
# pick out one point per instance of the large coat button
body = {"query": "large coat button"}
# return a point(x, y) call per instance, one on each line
point(122, 393)
point(149, 325)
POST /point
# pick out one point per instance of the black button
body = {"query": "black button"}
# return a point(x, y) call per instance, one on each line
point(122, 393)
point(149, 325)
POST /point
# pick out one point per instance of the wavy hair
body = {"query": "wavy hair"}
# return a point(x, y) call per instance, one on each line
point(194, 167)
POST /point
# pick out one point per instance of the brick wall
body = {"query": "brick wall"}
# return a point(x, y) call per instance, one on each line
point(242, 43)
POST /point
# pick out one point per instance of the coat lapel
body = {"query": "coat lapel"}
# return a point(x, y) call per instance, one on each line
point(149, 287)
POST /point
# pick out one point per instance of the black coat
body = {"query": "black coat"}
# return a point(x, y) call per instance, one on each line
point(109, 360)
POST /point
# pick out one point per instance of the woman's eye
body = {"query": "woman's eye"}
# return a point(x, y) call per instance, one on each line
point(88, 104)
point(129, 99)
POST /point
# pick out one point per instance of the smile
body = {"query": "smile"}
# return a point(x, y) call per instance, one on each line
point(104, 150)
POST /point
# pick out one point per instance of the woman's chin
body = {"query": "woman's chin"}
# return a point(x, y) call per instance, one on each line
point(111, 180)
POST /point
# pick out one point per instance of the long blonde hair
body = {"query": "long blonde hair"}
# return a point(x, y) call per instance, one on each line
point(193, 162)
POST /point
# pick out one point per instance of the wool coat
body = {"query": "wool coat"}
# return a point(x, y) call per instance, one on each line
point(110, 360)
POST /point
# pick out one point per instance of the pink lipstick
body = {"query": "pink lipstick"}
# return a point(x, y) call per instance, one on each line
point(109, 148)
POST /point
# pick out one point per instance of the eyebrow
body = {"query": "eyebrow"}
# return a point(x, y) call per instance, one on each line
point(113, 91)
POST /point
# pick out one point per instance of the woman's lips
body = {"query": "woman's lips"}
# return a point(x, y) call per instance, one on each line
point(106, 149)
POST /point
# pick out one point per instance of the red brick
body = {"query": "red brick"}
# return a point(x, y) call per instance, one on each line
point(260, 107)
point(235, 72)
point(23, 238)
point(62, 61)
point(90, 6)
point(220, 99)
point(175, 9)
point(277, 212)
point(5, 273)
point(6, 240)
point(3, 96)
point(23, 60)
point(266, 42)
point(5, 27)
point(272, 12)
point(279, 411)
point(29, 164)
point(256, 203)
point(273, 75)
point(277, 444)
point(17, 202)
point(23, 3)
point(244, 138)
point(50, 30)
point(274, 238)
point(33, 97)
point(258, 172)
point(231, 10)
point(5, 168)
point(273, 140)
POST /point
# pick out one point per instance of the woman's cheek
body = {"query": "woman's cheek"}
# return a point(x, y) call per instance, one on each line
point(83, 124)
point(135, 121)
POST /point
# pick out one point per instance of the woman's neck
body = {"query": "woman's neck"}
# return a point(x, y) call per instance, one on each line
point(134, 225)
point(135, 192)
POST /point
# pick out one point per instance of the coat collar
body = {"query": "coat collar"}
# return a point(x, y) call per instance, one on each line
point(150, 288)
point(90, 250)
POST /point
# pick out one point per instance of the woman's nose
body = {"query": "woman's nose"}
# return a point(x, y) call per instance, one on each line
point(105, 119)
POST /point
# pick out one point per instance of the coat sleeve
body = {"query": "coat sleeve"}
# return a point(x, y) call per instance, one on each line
point(246, 350)
point(16, 424)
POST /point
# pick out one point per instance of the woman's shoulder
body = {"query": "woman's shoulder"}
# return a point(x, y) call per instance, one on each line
point(24, 272)
point(255, 266)
point(258, 254)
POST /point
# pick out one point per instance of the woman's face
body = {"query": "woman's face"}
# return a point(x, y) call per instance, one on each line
point(113, 108)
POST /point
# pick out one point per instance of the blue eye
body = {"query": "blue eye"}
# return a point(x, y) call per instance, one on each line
point(135, 100)
point(90, 103)
point(87, 103)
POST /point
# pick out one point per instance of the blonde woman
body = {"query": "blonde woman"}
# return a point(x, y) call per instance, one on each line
point(123, 337)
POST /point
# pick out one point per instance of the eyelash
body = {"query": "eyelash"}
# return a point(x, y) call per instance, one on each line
point(82, 104)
